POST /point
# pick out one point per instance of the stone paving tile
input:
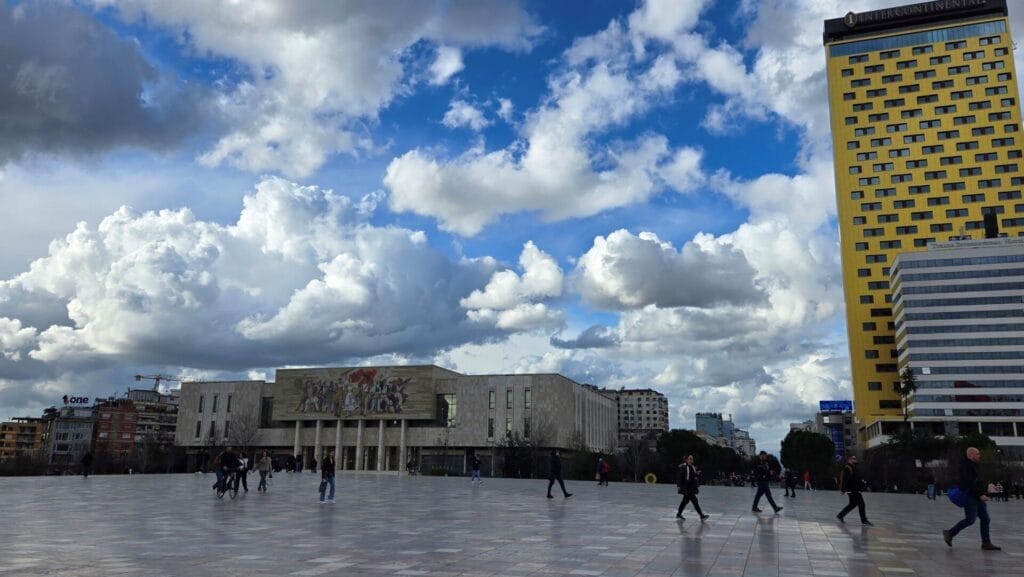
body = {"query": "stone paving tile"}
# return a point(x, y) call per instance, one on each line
point(387, 525)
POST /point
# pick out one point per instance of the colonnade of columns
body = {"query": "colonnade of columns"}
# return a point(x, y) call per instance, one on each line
point(360, 433)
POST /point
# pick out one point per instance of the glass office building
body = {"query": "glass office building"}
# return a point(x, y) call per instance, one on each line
point(959, 310)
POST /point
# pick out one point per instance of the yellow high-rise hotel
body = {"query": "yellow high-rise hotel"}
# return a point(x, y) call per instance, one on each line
point(926, 135)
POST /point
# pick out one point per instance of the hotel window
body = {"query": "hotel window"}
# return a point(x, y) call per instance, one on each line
point(849, 95)
point(906, 229)
point(890, 244)
point(948, 134)
point(995, 90)
point(886, 55)
point(906, 64)
point(961, 94)
point(956, 45)
point(884, 192)
point(917, 163)
point(930, 124)
point(859, 246)
point(956, 213)
point(947, 160)
point(857, 195)
point(880, 117)
point(912, 138)
point(1003, 76)
point(899, 204)
point(1004, 168)
point(941, 227)
point(974, 55)
point(990, 183)
point(919, 242)
point(895, 102)
point(972, 80)
point(997, 65)
point(923, 215)
point(969, 198)
point(882, 167)
point(990, 40)
point(912, 113)
point(924, 74)
point(884, 218)
point(862, 106)
point(874, 386)
point(847, 72)
point(935, 174)
point(945, 59)
point(980, 105)
point(867, 155)
point(858, 58)
point(953, 186)
point(921, 50)
point(1001, 51)
point(886, 141)
point(897, 152)
point(969, 145)
point(908, 88)
point(1010, 128)
point(953, 70)
point(969, 119)
point(870, 354)
point(1007, 102)
point(867, 299)
point(900, 127)
point(890, 78)
point(927, 98)
point(1009, 195)
point(941, 84)
point(491, 401)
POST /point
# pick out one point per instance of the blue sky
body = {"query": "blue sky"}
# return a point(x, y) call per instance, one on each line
point(631, 194)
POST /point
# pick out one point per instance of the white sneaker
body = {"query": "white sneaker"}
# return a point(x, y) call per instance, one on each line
point(322, 502)
point(331, 501)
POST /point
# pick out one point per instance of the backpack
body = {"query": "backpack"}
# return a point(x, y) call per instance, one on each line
point(957, 496)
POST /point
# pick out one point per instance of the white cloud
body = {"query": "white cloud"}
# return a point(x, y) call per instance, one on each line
point(505, 109)
point(448, 63)
point(462, 114)
point(507, 301)
point(552, 168)
point(316, 72)
point(14, 338)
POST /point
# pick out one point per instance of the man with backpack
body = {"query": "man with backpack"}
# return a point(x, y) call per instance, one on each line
point(976, 503)
point(850, 483)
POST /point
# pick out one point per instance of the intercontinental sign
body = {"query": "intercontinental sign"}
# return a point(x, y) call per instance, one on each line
point(927, 8)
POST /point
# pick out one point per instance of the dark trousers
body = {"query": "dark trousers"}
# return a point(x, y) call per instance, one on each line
point(856, 502)
point(263, 481)
point(561, 483)
point(242, 474)
point(603, 479)
point(790, 490)
point(689, 498)
point(766, 491)
point(974, 509)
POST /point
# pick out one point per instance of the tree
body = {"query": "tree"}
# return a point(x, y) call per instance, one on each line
point(906, 387)
point(807, 451)
point(245, 428)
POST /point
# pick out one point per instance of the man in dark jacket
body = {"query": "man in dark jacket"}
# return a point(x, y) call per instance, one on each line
point(555, 474)
point(763, 475)
point(850, 484)
point(688, 481)
point(790, 483)
point(976, 506)
point(327, 477)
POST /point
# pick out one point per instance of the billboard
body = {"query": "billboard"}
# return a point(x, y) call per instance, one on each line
point(835, 406)
point(355, 392)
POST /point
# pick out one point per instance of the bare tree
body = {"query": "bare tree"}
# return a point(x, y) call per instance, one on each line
point(245, 428)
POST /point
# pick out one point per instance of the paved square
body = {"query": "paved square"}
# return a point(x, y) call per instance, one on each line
point(391, 525)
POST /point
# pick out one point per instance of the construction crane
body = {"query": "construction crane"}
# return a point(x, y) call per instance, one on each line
point(157, 378)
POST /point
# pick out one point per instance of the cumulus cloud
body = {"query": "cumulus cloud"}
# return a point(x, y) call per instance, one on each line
point(300, 277)
point(505, 109)
point(508, 300)
point(69, 85)
point(462, 114)
point(315, 73)
point(593, 337)
point(624, 271)
point(553, 167)
point(448, 63)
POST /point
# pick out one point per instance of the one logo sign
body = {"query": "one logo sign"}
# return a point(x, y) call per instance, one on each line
point(75, 400)
point(850, 19)
point(835, 406)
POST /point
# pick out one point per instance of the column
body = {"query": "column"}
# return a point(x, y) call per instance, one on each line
point(402, 459)
point(316, 442)
point(359, 445)
point(337, 441)
point(380, 445)
point(298, 432)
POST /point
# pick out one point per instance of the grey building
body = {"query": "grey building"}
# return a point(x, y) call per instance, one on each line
point(959, 316)
point(381, 418)
point(642, 413)
point(72, 432)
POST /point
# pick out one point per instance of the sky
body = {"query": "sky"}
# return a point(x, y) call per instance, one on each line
point(629, 194)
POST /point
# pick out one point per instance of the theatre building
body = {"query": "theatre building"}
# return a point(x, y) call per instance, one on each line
point(382, 418)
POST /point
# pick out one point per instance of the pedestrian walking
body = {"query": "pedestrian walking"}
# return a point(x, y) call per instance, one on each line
point(264, 466)
point(602, 471)
point(312, 465)
point(763, 474)
point(298, 463)
point(217, 469)
point(790, 482)
point(851, 484)
point(86, 464)
point(976, 506)
point(327, 477)
point(476, 471)
point(688, 482)
point(555, 474)
point(807, 480)
point(243, 471)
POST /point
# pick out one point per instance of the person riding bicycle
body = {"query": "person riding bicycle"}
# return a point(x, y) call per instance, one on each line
point(229, 463)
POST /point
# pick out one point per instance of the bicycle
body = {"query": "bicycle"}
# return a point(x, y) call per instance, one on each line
point(228, 484)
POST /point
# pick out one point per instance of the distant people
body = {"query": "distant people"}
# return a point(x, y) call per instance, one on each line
point(763, 474)
point(790, 482)
point(327, 476)
point(807, 480)
point(265, 468)
point(976, 506)
point(229, 463)
point(312, 465)
point(851, 484)
point(411, 466)
point(688, 482)
point(298, 463)
point(86, 464)
point(476, 471)
point(602, 471)
point(555, 474)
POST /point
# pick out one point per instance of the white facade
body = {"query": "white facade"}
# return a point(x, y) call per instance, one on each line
point(959, 310)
